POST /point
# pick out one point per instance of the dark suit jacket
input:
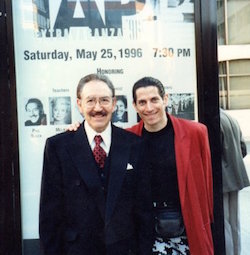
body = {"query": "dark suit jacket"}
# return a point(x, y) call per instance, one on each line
point(74, 216)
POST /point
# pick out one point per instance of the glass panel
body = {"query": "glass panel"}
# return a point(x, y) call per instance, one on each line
point(240, 92)
point(240, 83)
point(235, 95)
point(58, 42)
point(223, 86)
point(221, 22)
point(223, 93)
point(239, 67)
point(222, 68)
point(238, 16)
point(239, 101)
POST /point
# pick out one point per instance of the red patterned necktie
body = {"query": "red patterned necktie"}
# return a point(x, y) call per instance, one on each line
point(99, 153)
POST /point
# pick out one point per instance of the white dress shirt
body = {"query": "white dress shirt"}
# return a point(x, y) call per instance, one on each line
point(106, 137)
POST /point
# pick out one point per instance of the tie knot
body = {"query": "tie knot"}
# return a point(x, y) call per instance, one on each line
point(98, 139)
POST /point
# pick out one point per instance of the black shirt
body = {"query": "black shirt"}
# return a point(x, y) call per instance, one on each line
point(161, 157)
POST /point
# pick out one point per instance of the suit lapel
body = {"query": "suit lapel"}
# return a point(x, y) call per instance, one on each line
point(182, 152)
point(83, 160)
point(119, 153)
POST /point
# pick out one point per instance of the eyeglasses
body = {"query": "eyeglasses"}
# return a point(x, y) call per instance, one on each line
point(103, 101)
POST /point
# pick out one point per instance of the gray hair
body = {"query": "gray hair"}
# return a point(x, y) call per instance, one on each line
point(94, 77)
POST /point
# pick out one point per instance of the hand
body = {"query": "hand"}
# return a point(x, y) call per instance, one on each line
point(73, 126)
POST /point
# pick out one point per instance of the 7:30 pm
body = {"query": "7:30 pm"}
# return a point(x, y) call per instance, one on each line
point(163, 52)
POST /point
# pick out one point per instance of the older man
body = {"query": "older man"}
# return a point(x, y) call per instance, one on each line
point(92, 196)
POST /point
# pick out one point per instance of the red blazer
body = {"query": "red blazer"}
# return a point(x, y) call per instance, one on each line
point(194, 171)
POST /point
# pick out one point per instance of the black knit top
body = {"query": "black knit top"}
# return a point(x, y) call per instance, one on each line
point(161, 157)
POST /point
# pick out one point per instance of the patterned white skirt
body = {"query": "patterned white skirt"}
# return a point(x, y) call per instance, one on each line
point(171, 246)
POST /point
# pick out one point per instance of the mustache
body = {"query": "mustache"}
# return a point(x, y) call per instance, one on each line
point(100, 113)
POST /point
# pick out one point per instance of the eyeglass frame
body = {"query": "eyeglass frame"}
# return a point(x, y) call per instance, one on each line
point(103, 101)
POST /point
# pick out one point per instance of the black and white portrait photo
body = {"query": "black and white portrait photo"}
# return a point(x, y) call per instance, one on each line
point(35, 113)
point(60, 110)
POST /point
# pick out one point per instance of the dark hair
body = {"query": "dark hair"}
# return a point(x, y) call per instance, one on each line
point(94, 77)
point(37, 102)
point(123, 99)
point(146, 82)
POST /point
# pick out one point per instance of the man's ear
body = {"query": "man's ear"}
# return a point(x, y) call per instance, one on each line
point(79, 104)
point(165, 99)
point(135, 106)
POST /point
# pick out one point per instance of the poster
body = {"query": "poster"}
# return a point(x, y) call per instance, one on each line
point(57, 42)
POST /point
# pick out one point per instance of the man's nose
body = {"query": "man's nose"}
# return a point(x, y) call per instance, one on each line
point(149, 106)
point(97, 106)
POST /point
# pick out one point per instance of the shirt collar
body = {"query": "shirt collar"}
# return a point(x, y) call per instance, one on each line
point(106, 136)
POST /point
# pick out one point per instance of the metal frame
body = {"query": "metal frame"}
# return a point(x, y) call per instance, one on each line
point(10, 210)
point(208, 112)
point(208, 104)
